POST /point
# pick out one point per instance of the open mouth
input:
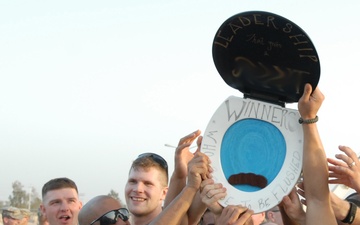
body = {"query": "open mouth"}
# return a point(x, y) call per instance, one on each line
point(65, 217)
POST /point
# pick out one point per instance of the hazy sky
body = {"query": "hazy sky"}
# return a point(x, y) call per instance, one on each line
point(85, 86)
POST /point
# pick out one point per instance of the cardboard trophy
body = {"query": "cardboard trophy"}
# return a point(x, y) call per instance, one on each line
point(255, 143)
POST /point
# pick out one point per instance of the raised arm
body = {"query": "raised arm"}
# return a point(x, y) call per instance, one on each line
point(315, 167)
point(175, 212)
point(182, 158)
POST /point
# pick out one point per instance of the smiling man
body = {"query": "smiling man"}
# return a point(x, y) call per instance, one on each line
point(146, 188)
point(60, 202)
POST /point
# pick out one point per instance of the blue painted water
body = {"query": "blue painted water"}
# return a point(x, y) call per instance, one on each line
point(252, 146)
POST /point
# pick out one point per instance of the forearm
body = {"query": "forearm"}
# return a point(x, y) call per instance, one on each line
point(176, 210)
point(316, 187)
point(342, 208)
point(356, 219)
point(197, 209)
point(176, 186)
point(314, 165)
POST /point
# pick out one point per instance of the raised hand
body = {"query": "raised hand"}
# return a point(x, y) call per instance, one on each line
point(345, 169)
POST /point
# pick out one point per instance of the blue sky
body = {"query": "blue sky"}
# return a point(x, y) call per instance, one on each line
point(85, 86)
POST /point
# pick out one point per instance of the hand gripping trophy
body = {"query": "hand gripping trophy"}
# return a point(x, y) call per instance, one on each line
point(255, 142)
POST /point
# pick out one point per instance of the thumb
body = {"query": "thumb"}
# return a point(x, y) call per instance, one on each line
point(307, 90)
point(198, 141)
point(197, 150)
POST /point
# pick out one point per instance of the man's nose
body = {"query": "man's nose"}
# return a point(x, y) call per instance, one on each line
point(138, 187)
point(64, 206)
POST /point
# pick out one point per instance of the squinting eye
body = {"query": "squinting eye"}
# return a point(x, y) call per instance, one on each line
point(148, 183)
point(54, 203)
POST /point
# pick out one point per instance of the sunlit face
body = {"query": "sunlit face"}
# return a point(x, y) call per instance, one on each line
point(144, 192)
point(61, 207)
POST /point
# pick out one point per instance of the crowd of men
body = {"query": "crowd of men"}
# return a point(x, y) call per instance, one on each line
point(189, 196)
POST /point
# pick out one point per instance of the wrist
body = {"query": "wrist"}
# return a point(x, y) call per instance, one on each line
point(301, 219)
point(351, 214)
point(306, 120)
point(191, 188)
point(342, 209)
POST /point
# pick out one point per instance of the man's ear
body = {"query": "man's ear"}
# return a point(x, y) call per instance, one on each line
point(80, 204)
point(263, 215)
point(270, 216)
point(164, 192)
point(43, 210)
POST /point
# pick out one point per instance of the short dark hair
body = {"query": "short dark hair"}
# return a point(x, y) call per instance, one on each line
point(146, 162)
point(58, 183)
